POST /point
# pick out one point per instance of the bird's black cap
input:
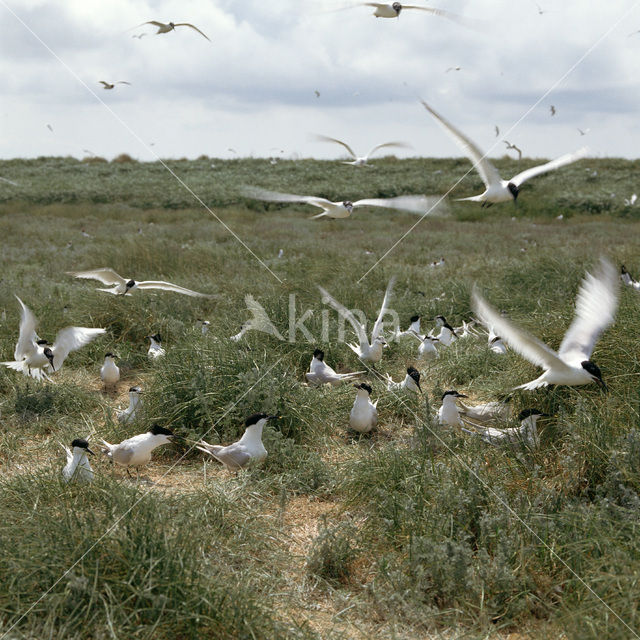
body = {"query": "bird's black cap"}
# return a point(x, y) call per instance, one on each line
point(454, 393)
point(414, 318)
point(319, 353)
point(526, 413)
point(110, 355)
point(135, 389)
point(364, 386)
point(156, 337)
point(82, 444)
point(157, 430)
point(131, 283)
point(589, 367)
point(255, 418)
point(514, 190)
point(413, 373)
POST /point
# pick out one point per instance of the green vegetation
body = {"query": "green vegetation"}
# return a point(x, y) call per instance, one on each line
point(411, 532)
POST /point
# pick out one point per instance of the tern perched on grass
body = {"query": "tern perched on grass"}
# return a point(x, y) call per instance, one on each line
point(110, 372)
point(156, 350)
point(447, 333)
point(628, 279)
point(130, 414)
point(365, 350)
point(413, 330)
point(427, 349)
point(362, 161)
point(125, 286)
point(596, 306)
point(411, 382)
point(364, 415)
point(497, 410)
point(35, 357)
point(497, 189)
point(449, 414)
point(248, 450)
point(415, 204)
point(170, 26)
point(78, 467)
point(321, 373)
point(526, 433)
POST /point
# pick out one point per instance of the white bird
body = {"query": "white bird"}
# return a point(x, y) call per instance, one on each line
point(248, 450)
point(364, 415)
point(321, 373)
point(526, 433)
point(111, 85)
point(497, 410)
point(78, 466)
point(629, 202)
point(204, 326)
point(110, 372)
point(413, 330)
point(497, 189)
point(156, 350)
point(392, 10)
point(411, 382)
point(437, 263)
point(170, 26)
point(365, 350)
point(415, 204)
point(596, 306)
point(449, 414)
point(34, 357)
point(259, 320)
point(497, 346)
point(583, 133)
point(136, 451)
point(628, 279)
point(427, 349)
point(362, 161)
point(130, 414)
point(125, 286)
point(447, 333)
point(513, 147)
point(466, 330)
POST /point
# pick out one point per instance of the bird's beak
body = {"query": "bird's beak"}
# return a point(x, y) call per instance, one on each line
point(461, 395)
point(89, 451)
point(273, 417)
point(600, 382)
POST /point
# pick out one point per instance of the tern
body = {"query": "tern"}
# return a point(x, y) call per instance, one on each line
point(365, 350)
point(392, 10)
point(581, 132)
point(628, 279)
point(362, 161)
point(629, 202)
point(156, 349)
point(166, 27)
point(596, 306)
point(130, 414)
point(497, 346)
point(321, 373)
point(427, 349)
point(411, 382)
point(413, 330)
point(449, 414)
point(526, 433)
point(466, 330)
point(447, 333)
point(125, 286)
point(110, 372)
point(35, 357)
point(513, 147)
point(342, 209)
point(136, 451)
point(497, 410)
point(552, 109)
point(364, 415)
point(204, 326)
point(78, 466)
point(111, 85)
point(497, 189)
point(248, 450)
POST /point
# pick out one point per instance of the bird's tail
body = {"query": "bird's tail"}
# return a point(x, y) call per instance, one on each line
point(349, 376)
point(318, 215)
point(469, 199)
point(534, 384)
point(354, 348)
point(21, 365)
point(107, 448)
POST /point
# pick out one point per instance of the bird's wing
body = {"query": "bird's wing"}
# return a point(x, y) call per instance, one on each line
point(235, 455)
point(378, 326)
point(193, 26)
point(442, 13)
point(568, 158)
point(123, 82)
point(518, 339)
point(274, 196)
point(106, 84)
point(104, 275)
point(415, 204)
point(154, 22)
point(340, 142)
point(168, 286)
point(596, 306)
point(483, 165)
point(28, 334)
point(70, 339)
point(398, 145)
point(345, 313)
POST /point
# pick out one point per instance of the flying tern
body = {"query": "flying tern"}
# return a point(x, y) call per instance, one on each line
point(125, 286)
point(35, 357)
point(110, 372)
point(111, 85)
point(497, 189)
point(365, 350)
point(364, 415)
point(362, 161)
point(411, 382)
point(129, 415)
point(78, 467)
point(449, 414)
point(571, 365)
point(513, 147)
point(170, 26)
point(392, 10)
point(321, 373)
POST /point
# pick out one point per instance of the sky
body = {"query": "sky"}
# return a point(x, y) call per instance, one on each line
point(251, 90)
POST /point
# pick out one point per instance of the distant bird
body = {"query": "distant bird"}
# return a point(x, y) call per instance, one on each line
point(552, 109)
point(392, 10)
point(365, 350)
point(452, 69)
point(248, 450)
point(438, 263)
point(321, 373)
point(411, 382)
point(449, 414)
point(583, 133)
point(498, 190)
point(130, 414)
point(629, 202)
point(497, 410)
point(124, 287)
point(109, 85)
point(362, 161)
point(110, 372)
point(364, 415)
point(633, 33)
point(139, 36)
point(165, 28)
point(78, 467)
point(414, 204)
point(466, 330)
point(497, 128)
point(447, 333)
point(156, 349)
point(512, 147)
point(281, 253)
point(628, 279)
point(36, 357)
point(317, 93)
point(525, 434)
point(204, 326)
point(136, 451)
point(540, 10)
point(85, 234)
point(50, 128)
point(259, 320)
point(596, 306)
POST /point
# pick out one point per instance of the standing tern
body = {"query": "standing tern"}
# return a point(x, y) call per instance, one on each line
point(596, 306)
point(365, 350)
point(110, 372)
point(321, 373)
point(248, 450)
point(364, 415)
point(125, 286)
point(628, 279)
point(447, 333)
point(130, 414)
point(449, 414)
point(427, 349)
point(156, 350)
point(415, 204)
point(411, 382)
point(170, 26)
point(35, 357)
point(413, 330)
point(497, 189)
point(362, 161)
point(78, 466)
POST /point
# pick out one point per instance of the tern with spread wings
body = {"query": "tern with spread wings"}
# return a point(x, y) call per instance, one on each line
point(392, 10)
point(170, 26)
point(362, 161)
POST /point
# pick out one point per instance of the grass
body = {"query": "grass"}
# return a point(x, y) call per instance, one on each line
point(415, 531)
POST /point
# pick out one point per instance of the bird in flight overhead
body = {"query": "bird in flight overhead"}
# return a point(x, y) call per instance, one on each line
point(552, 109)
point(111, 85)
point(362, 161)
point(170, 26)
point(392, 10)
point(512, 147)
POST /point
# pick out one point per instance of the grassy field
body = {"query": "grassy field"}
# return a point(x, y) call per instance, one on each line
point(417, 531)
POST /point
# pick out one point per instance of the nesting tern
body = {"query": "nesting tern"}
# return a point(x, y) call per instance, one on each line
point(362, 161)
point(411, 382)
point(78, 467)
point(497, 189)
point(628, 279)
point(496, 410)
point(130, 414)
point(449, 414)
point(110, 372)
point(170, 26)
point(111, 85)
point(571, 365)
point(365, 350)
point(364, 415)
point(248, 450)
point(321, 373)
point(125, 286)
point(526, 433)
point(156, 350)
point(35, 357)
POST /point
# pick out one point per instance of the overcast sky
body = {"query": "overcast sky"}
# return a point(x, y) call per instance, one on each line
point(252, 88)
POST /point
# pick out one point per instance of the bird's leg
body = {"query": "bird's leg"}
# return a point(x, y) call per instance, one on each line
point(128, 472)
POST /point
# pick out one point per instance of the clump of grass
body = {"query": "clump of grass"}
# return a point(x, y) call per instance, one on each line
point(332, 553)
point(123, 158)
